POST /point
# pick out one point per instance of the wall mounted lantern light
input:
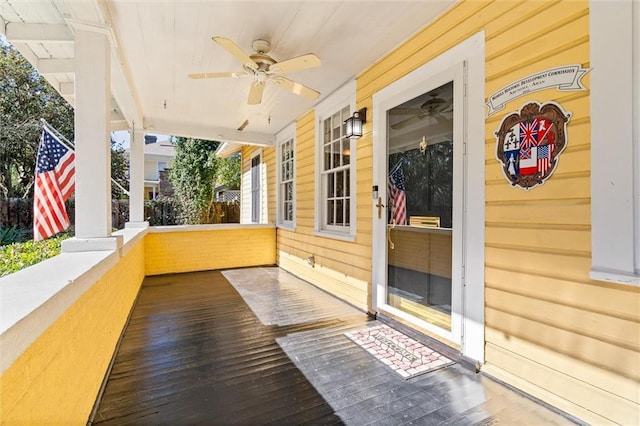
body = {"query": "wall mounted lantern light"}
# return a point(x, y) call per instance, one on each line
point(354, 123)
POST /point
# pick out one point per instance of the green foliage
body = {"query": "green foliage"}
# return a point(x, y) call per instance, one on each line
point(12, 235)
point(193, 175)
point(25, 97)
point(119, 170)
point(428, 180)
point(16, 256)
point(229, 172)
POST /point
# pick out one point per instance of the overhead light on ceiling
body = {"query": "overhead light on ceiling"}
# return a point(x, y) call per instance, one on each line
point(355, 123)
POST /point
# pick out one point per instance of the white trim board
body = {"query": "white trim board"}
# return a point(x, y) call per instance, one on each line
point(615, 141)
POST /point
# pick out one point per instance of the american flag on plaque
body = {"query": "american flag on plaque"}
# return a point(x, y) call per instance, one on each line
point(530, 141)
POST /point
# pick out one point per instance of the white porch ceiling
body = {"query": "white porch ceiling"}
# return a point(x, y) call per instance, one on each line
point(157, 43)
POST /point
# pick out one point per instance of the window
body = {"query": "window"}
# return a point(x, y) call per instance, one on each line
point(255, 189)
point(336, 170)
point(335, 166)
point(160, 166)
point(286, 180)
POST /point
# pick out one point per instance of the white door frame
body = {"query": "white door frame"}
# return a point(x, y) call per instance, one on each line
point(469, 247)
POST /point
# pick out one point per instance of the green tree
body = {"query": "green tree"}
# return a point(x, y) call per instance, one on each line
point(193, 175)
point(229, 173)
point(25, 97)
point(119, 169)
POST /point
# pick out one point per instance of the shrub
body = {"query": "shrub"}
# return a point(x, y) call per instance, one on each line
point(13, 235)
point(16, 256)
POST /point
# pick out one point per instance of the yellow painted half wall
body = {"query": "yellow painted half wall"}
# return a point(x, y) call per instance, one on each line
point(57, 379)
point(208, 247)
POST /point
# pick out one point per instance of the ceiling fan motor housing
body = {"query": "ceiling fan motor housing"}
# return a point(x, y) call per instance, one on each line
point(261, 46)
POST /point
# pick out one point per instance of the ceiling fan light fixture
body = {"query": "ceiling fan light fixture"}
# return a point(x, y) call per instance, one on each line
point(354, 124)
point(263, 68)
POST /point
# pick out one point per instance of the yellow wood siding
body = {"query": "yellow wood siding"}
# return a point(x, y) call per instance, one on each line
point(550, 330)
point(57, 378)
point(342, 268)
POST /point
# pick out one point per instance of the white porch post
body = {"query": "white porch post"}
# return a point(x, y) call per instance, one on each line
point(93, 153)
point(136, 180)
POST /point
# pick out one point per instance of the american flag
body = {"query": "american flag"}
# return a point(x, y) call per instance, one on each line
point(55, 182)
point(544, 154)
point(397, 197)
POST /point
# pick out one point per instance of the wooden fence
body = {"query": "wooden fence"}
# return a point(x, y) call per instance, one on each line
point(19, 212)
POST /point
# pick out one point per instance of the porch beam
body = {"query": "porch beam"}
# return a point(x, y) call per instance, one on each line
point(56, 66)
point(20, 32)
point(117, 125)
point(26, 51)
point(66, 89)
point(122, 84)
point(207, 132)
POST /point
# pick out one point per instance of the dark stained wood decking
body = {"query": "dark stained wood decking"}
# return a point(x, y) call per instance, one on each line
point(194, 352)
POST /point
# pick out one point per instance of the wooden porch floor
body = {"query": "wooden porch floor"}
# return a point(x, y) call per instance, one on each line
point(270, 349)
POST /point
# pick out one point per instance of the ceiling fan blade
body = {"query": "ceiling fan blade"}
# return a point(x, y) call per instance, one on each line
point(405, 111)
point(296, 64)
point(255, 93)
point(441, 118)
point(404, 123)
point(296, 88)
point(202, 75)
point(231, 47)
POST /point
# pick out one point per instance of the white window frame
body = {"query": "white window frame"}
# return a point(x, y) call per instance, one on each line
point(615, 141)
point(158, 169)
point(286, 135)
point(341, 98)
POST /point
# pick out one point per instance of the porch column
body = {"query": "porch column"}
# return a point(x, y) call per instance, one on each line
point(136, 180)
point(93, 149)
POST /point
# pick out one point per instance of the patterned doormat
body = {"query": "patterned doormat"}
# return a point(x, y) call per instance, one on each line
point(401, 353)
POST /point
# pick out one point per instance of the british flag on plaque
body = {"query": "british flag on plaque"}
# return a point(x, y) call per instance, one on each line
point(530, 141)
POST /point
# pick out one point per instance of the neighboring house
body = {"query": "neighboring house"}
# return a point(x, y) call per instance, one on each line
point(158, 156)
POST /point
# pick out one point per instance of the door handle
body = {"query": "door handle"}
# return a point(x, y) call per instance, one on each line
point(389, 228)
point(380, 206)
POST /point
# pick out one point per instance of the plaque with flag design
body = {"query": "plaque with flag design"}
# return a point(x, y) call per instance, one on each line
point(530, 142)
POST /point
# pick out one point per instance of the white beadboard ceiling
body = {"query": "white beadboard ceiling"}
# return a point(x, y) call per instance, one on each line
point(160, 42)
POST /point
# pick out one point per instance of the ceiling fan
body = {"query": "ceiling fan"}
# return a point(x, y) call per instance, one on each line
point(434, 107)
point(262, 68)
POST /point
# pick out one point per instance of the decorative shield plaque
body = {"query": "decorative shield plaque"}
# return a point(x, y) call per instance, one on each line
point(529, 143)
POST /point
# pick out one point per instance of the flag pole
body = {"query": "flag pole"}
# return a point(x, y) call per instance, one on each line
point(70, 145)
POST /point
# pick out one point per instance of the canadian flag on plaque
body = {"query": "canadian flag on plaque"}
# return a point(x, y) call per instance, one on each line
point(529, 143)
